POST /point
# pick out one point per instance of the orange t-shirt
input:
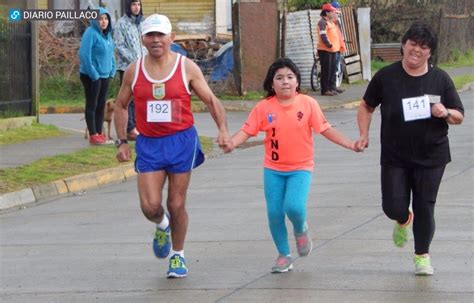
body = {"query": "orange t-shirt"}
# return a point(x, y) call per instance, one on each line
point(333, 34)
point(288, 131)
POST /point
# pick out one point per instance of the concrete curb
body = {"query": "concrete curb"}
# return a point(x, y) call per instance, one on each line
point(75, 184)
point(6, 124)
point(61, 110)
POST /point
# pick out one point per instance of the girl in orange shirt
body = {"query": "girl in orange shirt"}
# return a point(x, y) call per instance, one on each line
point(288, 120)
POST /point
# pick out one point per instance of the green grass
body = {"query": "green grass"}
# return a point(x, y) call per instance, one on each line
point(49, 169)
point(32, 132)
point(459, 59)
point(460, 81)
point(52, 168)
point(250, 95)
point(377, 65)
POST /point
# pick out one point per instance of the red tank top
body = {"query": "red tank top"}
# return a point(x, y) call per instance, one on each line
point(162, 107)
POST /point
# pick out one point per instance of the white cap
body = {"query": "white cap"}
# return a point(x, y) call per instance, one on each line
point(156, 23)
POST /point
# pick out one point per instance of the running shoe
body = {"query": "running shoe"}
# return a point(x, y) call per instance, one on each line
point(162, 242)
point(423, 265)
point(177, 267)
point(401, 233)
point(304, 244)
point(282, 264)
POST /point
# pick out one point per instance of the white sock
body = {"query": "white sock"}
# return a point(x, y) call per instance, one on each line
point(165, 222)
point(181, 253)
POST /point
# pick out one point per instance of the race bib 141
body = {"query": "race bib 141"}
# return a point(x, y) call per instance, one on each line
point(416, 108)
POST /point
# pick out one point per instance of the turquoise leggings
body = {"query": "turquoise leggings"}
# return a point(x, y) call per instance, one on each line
point(286, 193)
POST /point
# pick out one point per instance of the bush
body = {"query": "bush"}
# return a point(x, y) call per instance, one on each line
point(296, 5)
point(63, 89)
point(59, 87)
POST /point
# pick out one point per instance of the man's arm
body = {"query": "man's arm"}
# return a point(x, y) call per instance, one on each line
point(199, 85)
point(121, 112)
point(364, 117)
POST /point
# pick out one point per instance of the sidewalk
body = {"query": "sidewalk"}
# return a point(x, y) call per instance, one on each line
point(24, 153)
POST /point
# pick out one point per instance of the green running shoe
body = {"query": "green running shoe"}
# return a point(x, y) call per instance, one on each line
point(423, 265)
point(401, 233)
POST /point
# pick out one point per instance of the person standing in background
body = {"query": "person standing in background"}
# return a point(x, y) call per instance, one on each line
point(337, 61)
point(97, 66)
point(127, 37)
point(329, 44)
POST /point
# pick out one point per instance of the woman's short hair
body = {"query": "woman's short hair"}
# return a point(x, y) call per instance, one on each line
point(278, 64)
point(422, 34)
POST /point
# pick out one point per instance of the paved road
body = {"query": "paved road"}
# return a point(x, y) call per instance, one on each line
point(95, 247)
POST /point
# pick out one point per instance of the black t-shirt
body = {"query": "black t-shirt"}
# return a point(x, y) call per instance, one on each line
point(422, 142)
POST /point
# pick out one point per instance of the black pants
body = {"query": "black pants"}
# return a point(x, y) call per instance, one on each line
point(131, 109)
point(96, 95)
point(398, 184)
point(327, 60)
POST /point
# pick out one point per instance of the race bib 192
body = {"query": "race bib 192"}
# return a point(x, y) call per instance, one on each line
point(158, 111)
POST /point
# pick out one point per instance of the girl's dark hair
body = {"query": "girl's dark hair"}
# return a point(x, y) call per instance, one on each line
point(280, 63)
point(422, 34)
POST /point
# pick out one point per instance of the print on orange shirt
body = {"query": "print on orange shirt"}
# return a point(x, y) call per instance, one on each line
point(271, 117)
point(299, 115)
point(274, 145)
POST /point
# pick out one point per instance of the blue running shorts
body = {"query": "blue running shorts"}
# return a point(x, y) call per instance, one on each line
point(176, 153)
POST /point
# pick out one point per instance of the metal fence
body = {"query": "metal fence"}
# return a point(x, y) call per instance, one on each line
point(15, 69)
point(349, 31)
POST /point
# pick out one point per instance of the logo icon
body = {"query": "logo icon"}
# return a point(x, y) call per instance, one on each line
point(14, 15)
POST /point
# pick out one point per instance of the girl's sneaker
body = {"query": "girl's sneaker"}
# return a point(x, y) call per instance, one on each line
point(283, 264)
point(304, 244)
point(423, 265)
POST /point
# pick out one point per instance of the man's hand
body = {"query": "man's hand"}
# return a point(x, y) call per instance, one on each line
point(225, 142)
point(124, 153)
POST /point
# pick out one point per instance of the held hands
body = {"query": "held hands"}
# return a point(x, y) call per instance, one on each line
point(228, 148)
point(225, 142)
point(361, 144)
